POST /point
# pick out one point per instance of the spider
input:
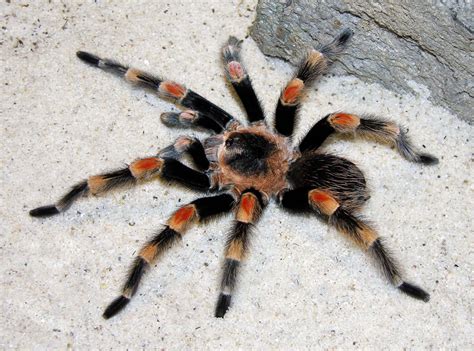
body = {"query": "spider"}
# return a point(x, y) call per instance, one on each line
point(246, 166)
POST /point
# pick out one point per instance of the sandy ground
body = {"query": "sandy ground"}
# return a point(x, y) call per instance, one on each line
point(303, 286)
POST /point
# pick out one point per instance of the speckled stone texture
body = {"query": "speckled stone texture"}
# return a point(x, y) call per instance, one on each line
point(397, 42)
point(303, 285)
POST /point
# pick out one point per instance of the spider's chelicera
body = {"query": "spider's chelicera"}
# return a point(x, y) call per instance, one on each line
point(246, 166)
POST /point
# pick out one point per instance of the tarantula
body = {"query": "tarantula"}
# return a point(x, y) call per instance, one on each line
point(249, 165)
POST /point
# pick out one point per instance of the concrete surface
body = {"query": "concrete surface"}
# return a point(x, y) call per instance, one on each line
point(303, 285)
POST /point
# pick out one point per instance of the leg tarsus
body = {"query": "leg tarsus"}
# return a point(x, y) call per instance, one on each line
point(115, 306)
point(222, 306)
point(45, 211)
point(414, 291)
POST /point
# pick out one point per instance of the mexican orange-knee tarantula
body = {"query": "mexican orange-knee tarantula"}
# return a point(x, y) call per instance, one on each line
point(248, 165)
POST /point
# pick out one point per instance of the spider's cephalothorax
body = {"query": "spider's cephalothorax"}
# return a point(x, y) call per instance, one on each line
point(247, 166)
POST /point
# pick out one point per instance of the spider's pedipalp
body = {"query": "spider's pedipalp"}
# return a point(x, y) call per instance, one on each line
point(392, 272)
point(368, 127)
point(248, 212)
point(176, 227)
point(190, 118)
point(311, 67)
point(240, 80)
point(164, 88)
point(355, 228)
point(189, 145)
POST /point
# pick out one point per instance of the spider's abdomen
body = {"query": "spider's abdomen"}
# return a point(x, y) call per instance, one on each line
point(336, 175)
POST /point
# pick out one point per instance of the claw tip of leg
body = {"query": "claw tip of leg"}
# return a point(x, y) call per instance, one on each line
point(115, 306)
point(414, 291)
point(428, 159)
point(88, 58)
point(222, 305)
point(44, 211)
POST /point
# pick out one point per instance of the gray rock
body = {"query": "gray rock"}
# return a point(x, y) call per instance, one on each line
point(395, 42)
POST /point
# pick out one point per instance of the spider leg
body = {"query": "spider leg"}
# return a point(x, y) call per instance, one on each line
point(248, 212)
point(164, 88)
point(190, 118)
point(369, 127)
point(141, 169)
point(175, 229)
point(311, 67)
point(323, 203)
point(240, 80)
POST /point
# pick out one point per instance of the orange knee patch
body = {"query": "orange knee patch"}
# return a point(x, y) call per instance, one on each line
point(236, 71)
point(344, 122)
point(292, 92)
point(323, 201)
point(172, 89)
point(145, 167)
point(181, 218)
point(248, 208)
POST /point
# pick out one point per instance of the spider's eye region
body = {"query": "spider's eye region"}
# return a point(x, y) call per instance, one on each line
point(229, 142)
point(247, 152)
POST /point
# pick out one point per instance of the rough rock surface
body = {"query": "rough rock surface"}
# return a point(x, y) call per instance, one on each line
point(396, 43)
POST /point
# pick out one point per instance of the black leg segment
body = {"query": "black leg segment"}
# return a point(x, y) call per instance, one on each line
point(240, 80)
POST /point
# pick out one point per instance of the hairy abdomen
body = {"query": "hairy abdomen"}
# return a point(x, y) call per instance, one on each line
point(336, 175)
